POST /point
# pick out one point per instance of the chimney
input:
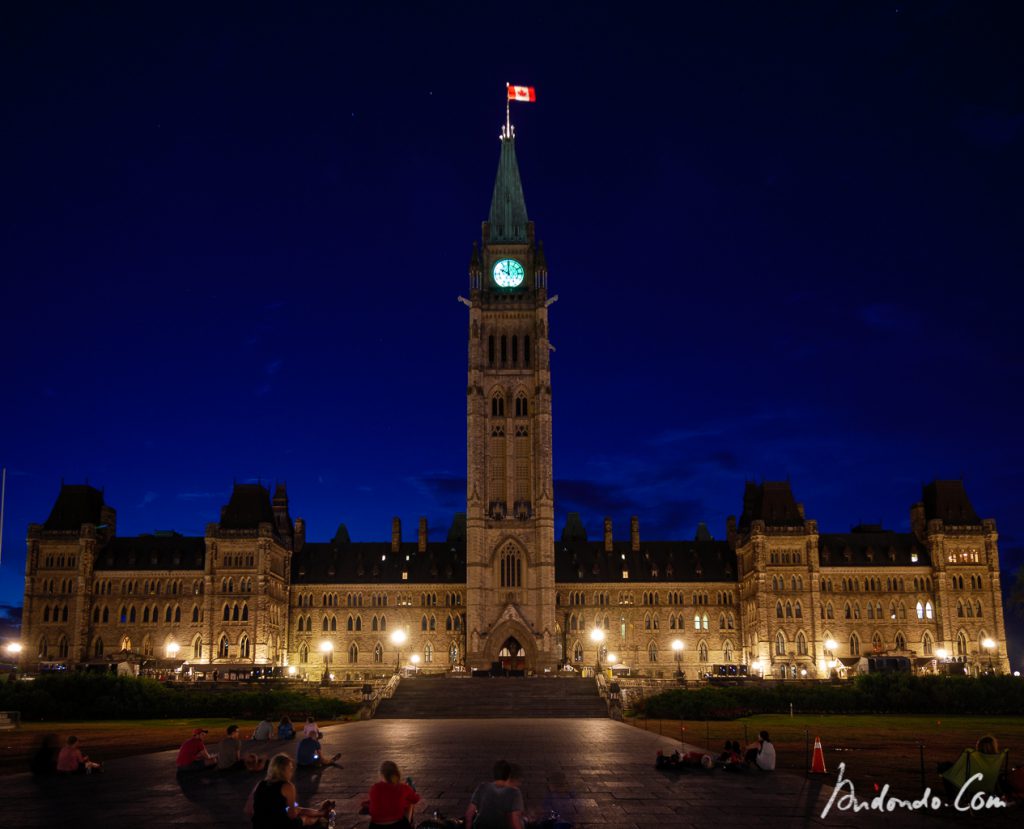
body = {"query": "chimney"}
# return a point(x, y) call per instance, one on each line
point(917, 521)
point(300, 533)
point(396, 534)
point(634, 534)
point(422, 538)
point(607, 535)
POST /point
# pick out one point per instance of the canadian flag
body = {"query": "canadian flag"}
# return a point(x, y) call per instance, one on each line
point(522, 93)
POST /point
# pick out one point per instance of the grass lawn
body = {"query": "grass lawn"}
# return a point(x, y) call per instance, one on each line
point(876, 749)
point(107, 739)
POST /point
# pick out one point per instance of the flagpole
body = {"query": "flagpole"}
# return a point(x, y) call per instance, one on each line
point(3, 499)
point(508, 116)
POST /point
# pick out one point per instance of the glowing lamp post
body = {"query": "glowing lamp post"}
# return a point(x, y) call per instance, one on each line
point(13, 648)
point(172, 649)
point(830, 654)
point(398, 639)
point(989, 645)
point(597, 637)
point(415, 659)
point(326, 648)
point(677, 649)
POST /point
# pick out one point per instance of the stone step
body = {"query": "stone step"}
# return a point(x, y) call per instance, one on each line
point(485, 698)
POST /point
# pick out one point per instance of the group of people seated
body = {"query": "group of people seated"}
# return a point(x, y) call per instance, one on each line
point(194, 755)
point(760, 754)
point(496, 804)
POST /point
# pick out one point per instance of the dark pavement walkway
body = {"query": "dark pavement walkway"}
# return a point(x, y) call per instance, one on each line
point(594, 772)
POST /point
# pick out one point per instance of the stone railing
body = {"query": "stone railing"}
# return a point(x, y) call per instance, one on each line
point(610, 692)
point(381, 691)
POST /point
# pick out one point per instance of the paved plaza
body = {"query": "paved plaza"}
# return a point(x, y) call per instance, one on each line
point(593, 772)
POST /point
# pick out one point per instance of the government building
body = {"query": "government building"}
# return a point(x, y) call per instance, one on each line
point(775, 597)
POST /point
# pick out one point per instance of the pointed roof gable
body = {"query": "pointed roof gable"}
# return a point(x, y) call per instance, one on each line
point(771, 502)
point(248, 508)
point(948, 500)
point(76, 504)
point(508, 207)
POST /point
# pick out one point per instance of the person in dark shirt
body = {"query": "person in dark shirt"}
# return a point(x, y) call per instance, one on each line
point(273, 803)
point(307, 755)
point(497, 805)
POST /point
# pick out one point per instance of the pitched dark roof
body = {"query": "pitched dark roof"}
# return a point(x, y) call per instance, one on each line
point(948, 501)
point(153, 552)
point(76, 504)
point(372, 562)
point(771, 502)
point(657, 561)
point(871, 547)
point(248, 508)
point(507, 218)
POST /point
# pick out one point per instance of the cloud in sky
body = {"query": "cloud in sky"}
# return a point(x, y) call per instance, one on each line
point(148, 498)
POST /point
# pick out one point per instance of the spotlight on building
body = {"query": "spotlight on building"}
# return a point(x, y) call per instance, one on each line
point(172, 649)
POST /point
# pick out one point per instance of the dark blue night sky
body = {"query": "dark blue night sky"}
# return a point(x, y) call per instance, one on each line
point(786, 240)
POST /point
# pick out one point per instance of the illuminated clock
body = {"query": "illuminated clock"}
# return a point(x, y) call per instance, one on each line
point(508, 273)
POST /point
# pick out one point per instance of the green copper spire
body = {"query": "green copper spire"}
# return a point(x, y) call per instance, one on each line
point(508, 207)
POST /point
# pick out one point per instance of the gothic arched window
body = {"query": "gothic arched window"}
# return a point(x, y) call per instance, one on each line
point(511, 567)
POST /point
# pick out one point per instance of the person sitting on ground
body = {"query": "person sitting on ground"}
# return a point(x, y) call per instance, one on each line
point(391, 802)
point(730, 755)
point(285, 729)
point(311, 729)
point(229, 754)
point(193, 756)
point(499, 804)
point(43, 761)
point(273, 804)
point(264, 730)
point(761, 753)
point(72, 761)
point(307, 755)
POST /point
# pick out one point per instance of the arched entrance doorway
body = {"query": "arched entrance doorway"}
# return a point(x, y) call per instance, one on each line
point(512, 656)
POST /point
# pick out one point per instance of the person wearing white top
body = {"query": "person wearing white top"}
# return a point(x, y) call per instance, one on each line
point(761, 753)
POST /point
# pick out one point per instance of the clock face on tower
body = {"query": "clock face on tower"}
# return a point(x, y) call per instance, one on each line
point(508, 273)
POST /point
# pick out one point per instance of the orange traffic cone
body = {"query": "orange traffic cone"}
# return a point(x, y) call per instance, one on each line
point(818, 758)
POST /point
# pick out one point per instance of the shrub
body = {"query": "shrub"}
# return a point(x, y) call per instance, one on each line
point(84, 696)
point(865, 694)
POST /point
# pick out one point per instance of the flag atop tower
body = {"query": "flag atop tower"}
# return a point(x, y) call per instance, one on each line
point(522, 93)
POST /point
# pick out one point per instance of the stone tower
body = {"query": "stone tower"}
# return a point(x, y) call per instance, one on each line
point(510, 580)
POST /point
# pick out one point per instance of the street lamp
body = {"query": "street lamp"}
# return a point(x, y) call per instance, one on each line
point(830, 654)
point(757, 667)
point(415, 659)
point(677, 649)
point(326, 648)
point(989, 645)
point(597, 637)
point(172, 649)
point(13, 648)
point(398, 638)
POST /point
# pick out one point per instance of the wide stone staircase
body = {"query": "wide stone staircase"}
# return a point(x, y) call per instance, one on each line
point(447, 697)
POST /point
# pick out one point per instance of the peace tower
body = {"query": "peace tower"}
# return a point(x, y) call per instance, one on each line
point(510, 525)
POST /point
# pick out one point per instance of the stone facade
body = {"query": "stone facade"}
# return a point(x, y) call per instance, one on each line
point(775, 597)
